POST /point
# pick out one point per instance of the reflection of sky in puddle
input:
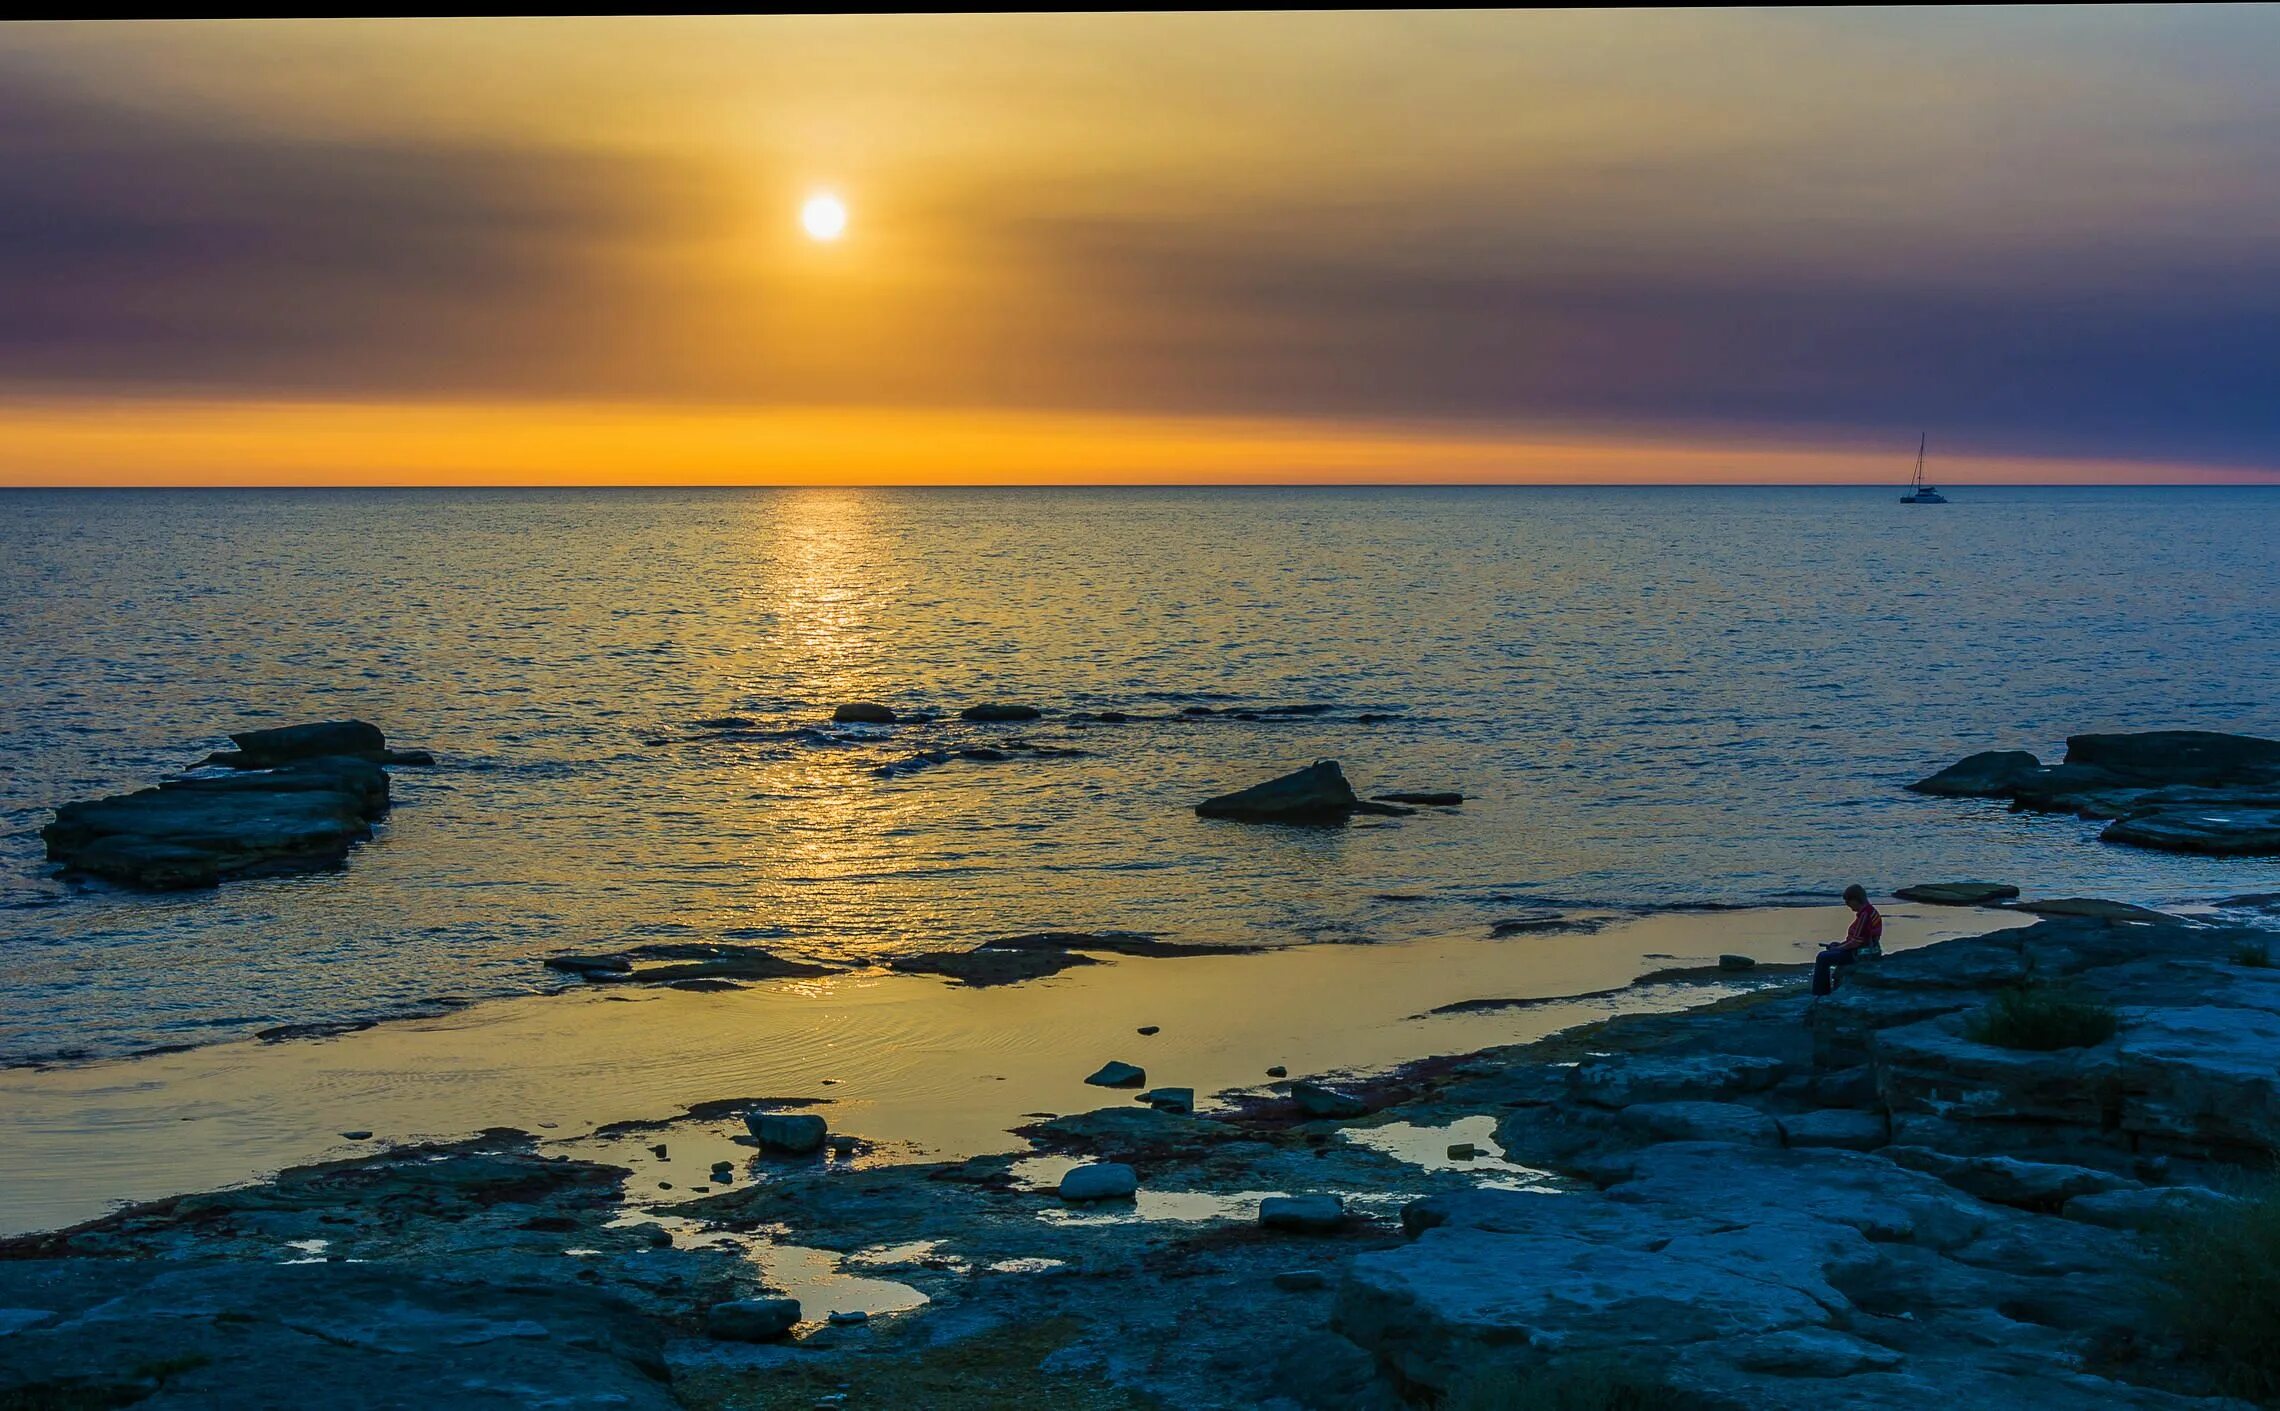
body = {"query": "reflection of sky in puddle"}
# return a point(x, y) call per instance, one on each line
point(1428, 1147)
point(1044, 1173)
point(904, 1255)
point(815, 1277)
point(312, 1251)
point(1186, 1206)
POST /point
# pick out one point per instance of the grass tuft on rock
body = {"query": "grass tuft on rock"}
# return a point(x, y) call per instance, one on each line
point(1584, 1385)
point(2042, 1017)
point(2219, 1275)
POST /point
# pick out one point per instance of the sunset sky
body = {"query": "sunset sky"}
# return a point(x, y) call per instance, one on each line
point(1654, 245)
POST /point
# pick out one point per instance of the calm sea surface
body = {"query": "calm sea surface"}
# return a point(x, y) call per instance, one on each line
point(1652, 697)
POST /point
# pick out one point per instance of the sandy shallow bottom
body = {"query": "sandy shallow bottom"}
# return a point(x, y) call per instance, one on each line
point(915, 1066)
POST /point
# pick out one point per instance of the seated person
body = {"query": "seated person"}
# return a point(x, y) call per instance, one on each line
point(1864, 937)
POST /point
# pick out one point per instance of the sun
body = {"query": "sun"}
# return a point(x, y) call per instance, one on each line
point(824, 216)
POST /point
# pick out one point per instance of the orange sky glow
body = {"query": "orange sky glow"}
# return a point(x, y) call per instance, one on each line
point(1755, 246)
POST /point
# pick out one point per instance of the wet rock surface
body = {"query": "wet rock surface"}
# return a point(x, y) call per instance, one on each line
point(302, 796)
point(683, 962)
point(1009, 960)
point(1958, 893)
point(2179, 790)
point(1771, 1202)
point(423, 1277)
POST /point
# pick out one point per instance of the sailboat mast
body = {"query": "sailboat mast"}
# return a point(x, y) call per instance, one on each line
point(1922, 438)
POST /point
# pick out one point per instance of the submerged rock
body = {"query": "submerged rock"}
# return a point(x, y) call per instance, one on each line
point(1318, 793)
point(998, 711)
point(1170, 1099)
point(864, 713)
point(1430, 799)
point(685, 962)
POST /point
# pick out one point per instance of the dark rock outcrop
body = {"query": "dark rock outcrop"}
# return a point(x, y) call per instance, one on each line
point(2223, 831)
point(1032, 955)
point(307, 794)
point(1318, 793)
point(2179, 790)
point(1958, 893)
point(1443, 798)
point(196, 832)
point(985, 965)
point(284, 744)
point(864, 713)
point(680, 962)
point(1989, 774)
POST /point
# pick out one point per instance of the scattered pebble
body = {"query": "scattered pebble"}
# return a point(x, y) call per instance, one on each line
point(357, 1136)
point(1278, 1071)
point(1151, 1029)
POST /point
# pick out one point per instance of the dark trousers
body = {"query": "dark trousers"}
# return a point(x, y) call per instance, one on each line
point(1824, 968)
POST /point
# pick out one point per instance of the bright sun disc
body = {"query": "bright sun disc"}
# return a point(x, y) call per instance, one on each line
point(824, 217)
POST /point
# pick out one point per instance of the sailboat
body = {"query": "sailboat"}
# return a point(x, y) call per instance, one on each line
point(1918, 492)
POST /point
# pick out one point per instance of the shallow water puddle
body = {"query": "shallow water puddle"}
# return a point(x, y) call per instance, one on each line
point(916, 1067)
point(1428, 1149)
point(1043, 1174)
point(816, 1277)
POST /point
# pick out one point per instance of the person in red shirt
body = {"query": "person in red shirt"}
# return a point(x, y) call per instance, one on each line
point(1864, 937)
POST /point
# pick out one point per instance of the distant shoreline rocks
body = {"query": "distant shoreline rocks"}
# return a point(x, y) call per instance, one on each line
point(2199, 791)
point(305, 795)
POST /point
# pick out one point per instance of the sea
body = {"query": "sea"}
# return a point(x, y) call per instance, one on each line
point(1651, 698)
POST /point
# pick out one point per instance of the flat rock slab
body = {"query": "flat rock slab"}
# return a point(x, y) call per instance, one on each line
point(197, 832)
point(2097, 908)
point(333, 1335)
point(678, 962)
point(1958, 893)
point(2224, 831)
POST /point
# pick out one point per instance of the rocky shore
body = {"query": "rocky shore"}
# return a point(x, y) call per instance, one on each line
point(2178, 790)
point(1953, 1179)
point(297, 799)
